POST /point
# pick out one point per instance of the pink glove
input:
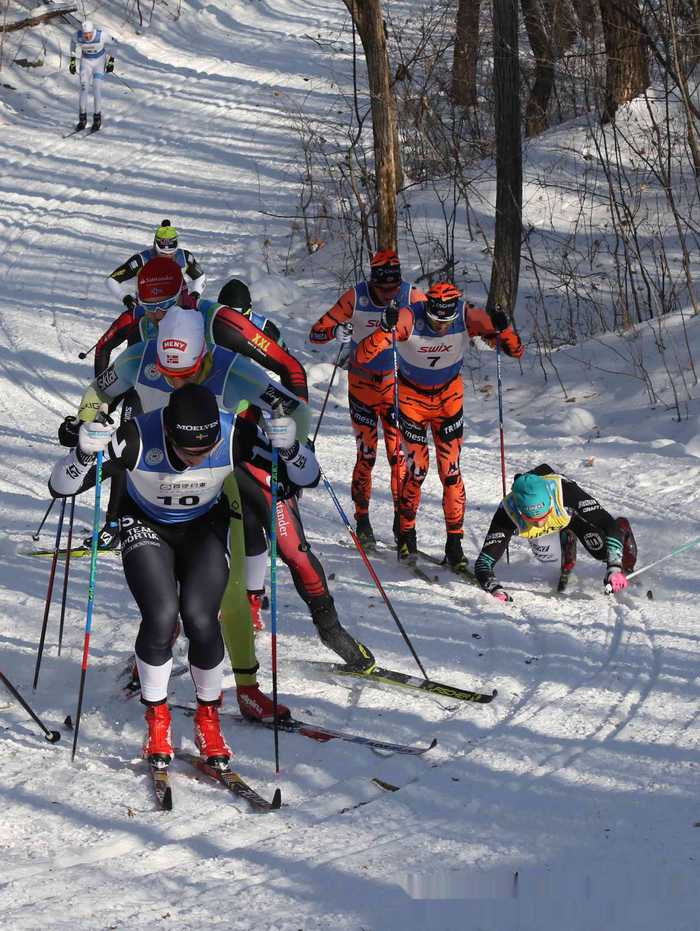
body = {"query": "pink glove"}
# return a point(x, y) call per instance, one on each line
point(615, 581)
point(502, 595)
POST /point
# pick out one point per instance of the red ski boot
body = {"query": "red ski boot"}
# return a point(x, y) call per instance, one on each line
point(255, 600)
point(157, 746)
point(208, 737)
point(255, 705)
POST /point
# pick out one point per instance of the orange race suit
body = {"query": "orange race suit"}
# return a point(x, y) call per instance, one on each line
point(431, 394)
point(370, 386)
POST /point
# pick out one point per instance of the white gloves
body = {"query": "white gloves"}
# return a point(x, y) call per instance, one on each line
point(94, 436)
point(282, 432)
point(343, 332)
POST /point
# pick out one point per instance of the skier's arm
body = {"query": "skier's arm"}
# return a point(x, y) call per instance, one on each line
point(591, 511)
point(76, 472)
point(118, 282)
point(247, 381)
point(479, 323)
point(324, 330)
point(297, 467)
point(232, 330)
point(113, 382)
point(120, 331)
point(198, 280)
point(380, 339)
point(501, 530)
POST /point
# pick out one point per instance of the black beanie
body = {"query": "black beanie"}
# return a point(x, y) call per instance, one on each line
point(192, 417)
point(235, 294)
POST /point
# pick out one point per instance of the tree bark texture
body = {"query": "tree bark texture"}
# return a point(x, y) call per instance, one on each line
point(367, 16)
point(466, 54)
point(627, 66)
point(505, 272)
point(537, 32)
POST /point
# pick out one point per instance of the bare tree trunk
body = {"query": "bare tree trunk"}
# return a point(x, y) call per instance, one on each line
point(505, 272)
point(367, 16)
point(536, 110)
point(466, 53)
point(625, 46)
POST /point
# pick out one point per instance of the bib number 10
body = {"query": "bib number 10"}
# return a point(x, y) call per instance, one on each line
point(186, 501)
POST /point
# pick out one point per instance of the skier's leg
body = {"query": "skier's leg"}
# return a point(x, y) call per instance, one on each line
point(97, 79)
point(236, 621)
point(364, 425)
point(85, 80)
point(448, 429)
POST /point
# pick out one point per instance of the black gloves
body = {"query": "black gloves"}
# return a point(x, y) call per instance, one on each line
point(71, 66)
point(129, 302)
point(390, 317)
point(109, 67)
point(499, 319)
point(68, 432)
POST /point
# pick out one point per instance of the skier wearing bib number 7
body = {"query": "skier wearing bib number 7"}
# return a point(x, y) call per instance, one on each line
point(432, 337)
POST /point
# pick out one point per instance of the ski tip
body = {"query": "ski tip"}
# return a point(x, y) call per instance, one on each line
point(276, 802)
point(433, 744)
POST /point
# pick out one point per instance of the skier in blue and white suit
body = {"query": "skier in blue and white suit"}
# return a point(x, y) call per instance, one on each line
point(90, 45)
point(173, 529)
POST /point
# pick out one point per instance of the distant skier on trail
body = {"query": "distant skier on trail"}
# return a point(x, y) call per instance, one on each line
point(173, 529)
point(370, 383)
point(552, 512)
point(432, 338)
point(89, 44)
point(121, 281)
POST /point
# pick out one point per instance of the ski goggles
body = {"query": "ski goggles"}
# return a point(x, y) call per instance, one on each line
point(166, 245)
point(150, 306)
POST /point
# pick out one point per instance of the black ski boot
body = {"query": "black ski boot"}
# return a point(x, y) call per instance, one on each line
point(364, 531)
point(96, 122)
point(333, 635)
point(407, 546)
point(82, 122)
point(107, 539)
point(629, 545)
point(454, 556)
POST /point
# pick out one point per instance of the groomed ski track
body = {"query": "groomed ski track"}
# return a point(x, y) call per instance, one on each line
point(584, 768)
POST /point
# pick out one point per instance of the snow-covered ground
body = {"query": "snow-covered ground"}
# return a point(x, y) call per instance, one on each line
point(569, 802)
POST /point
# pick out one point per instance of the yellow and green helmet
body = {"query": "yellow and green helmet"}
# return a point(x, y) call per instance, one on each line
point(165, 239)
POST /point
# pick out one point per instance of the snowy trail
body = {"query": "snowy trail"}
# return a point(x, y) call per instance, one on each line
point(584, 765)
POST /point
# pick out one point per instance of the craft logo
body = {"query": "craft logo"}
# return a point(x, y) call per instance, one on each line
point(154, 456)
point(151, 372)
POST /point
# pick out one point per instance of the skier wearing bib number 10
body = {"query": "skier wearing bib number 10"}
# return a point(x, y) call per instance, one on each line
point(432, 337)
point(551, 512)
point(173, 528)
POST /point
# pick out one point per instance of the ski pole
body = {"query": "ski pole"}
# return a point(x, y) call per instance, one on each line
point(680, 549)
point(273, 597)
point(65, 574)
point(90, 601)
point(370, 569)
point(397, 445)
point(37, 532)
point(500, 421)
point(49, 594)
point(328, 391)
point(84, 355)
point(52, 736)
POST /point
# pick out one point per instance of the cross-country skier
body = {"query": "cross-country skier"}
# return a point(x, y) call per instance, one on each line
point(122, 280)
point(357, 313)
point(90, 45)
point(551, 512)
point(432, 337)
point(173, 529)
point(159, 285)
